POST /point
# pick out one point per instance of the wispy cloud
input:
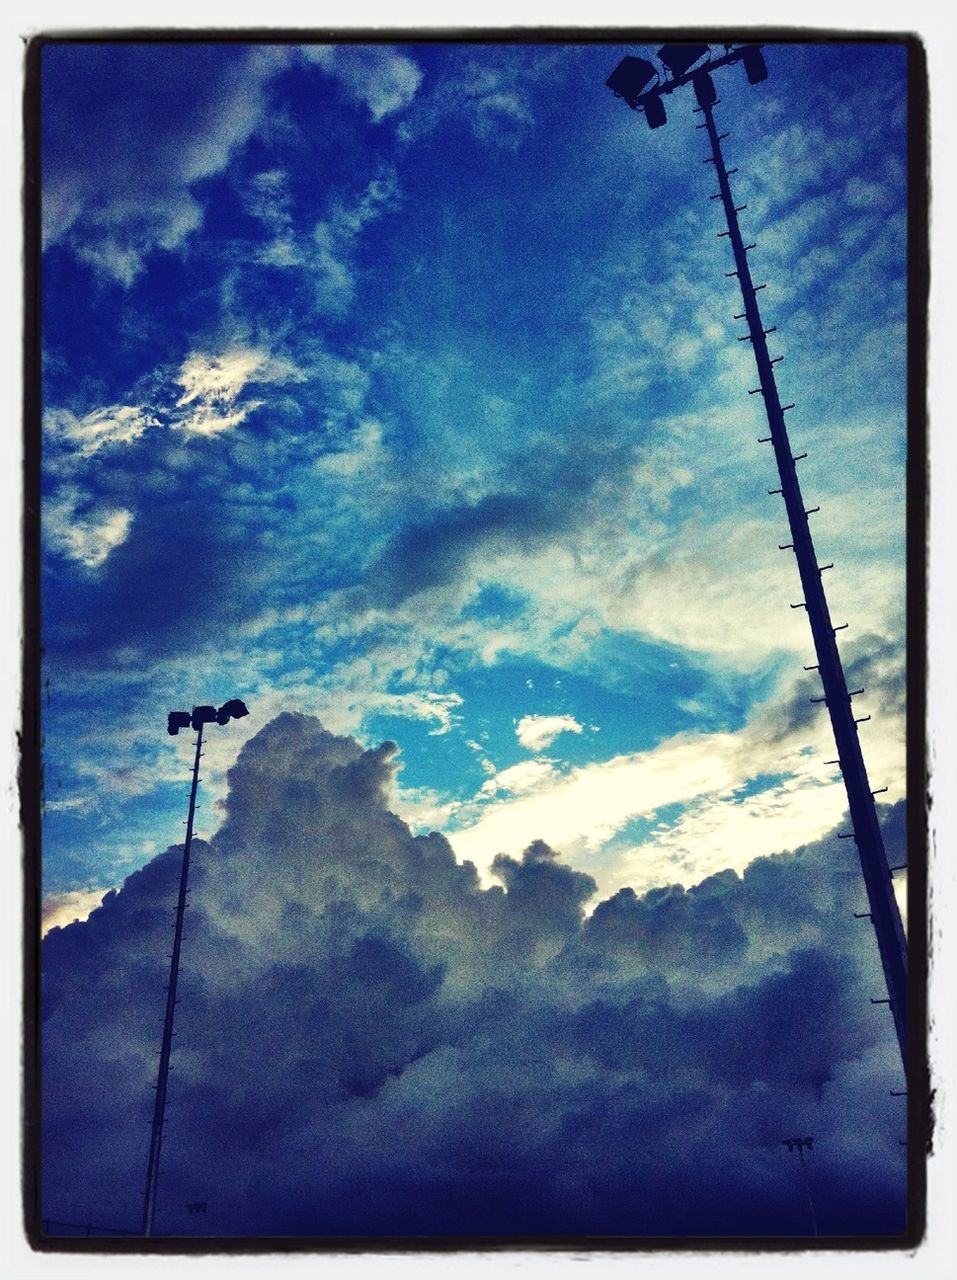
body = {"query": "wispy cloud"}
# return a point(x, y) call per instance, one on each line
point(384, 80)
point(79, 527)
point(212, 386)
point(199, 107)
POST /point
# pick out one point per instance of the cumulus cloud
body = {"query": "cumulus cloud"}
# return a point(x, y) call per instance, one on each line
point(538, 732)
point(61, 909)
point(369, 1042)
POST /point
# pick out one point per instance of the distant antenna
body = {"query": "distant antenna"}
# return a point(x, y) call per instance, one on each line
point(177, 720)
point(692, 63)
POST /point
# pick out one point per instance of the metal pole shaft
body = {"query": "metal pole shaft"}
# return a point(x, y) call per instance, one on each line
point(807, 1190)
point(884, 911)
point(159, 1109)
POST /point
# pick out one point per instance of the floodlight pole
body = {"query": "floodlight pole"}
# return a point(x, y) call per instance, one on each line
point(884, 911)
point(159, 1108)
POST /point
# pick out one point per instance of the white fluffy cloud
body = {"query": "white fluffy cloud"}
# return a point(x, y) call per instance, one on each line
point(538, 732)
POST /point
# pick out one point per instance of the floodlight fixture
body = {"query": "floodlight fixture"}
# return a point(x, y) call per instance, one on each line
point(755, 68)
point(202, 715)
point(630, 78)
point(704, 89)
point(654, 111)
point(680, 58)
point(175, 721)
point(234, 709)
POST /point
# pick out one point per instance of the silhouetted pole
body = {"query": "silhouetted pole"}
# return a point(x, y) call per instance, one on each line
point(632, 80)
point(800, 1144)
point(235, 709)
point(159, 1109)
point(884, 911)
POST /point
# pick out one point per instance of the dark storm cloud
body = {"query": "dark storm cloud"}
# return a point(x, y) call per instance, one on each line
point(370, 1042)
point(581, 482)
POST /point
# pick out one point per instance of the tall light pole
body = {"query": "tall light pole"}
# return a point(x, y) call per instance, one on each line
point(801, 1145)
point(177, 720)
point(640, 84)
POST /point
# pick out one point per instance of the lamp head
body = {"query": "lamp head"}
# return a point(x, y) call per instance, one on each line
point(175, 721)
point(678, 58)
point(234, 709)
point(630, 78)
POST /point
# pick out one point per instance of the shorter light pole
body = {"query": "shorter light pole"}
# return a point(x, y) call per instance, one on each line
point(800, 1145)
point(234, 709)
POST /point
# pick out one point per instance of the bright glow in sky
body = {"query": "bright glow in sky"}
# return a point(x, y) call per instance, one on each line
point(401, 387)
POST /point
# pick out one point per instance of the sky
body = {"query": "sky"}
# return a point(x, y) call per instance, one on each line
point(397, 387)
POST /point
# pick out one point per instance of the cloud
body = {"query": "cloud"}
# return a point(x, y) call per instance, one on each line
point(113, 424)
point(61, 909)
point(382, 79)
point(489, 95)
point(334, 238)
point(538, 732)
point(111, 199)
point(525, 776)
point(212, 386)
point(742, 794)
point(81, 529)
point(368, 1042)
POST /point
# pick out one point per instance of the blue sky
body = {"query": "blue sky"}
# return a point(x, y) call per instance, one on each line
point(399, 386)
